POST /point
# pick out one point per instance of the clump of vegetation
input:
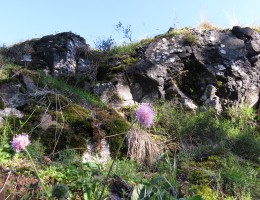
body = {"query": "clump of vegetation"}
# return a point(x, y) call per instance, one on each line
point(186, 34)
point(189, 38)
point(60, 191)
point(109, 46)
point(207, 26)
point(71, 91)
point(125, 49)
point(256, 28)
point(146, 41)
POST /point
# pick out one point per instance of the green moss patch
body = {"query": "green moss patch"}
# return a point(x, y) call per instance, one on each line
point(205, 192)
point(115, 128)
point(73, 136)
point(72, 124)
point(111, 65)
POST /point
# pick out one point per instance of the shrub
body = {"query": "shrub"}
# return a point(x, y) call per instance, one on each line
point(204, 127)
point(238, 177)
point(104, 44)
point(127, 33)
point(60, 191)
point(247, 145)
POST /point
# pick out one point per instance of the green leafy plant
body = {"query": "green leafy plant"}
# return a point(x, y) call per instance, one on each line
point(60, 191)
point(164, 186)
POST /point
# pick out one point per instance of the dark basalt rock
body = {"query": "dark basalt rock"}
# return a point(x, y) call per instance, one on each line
point(62, 54)
point(226, 60)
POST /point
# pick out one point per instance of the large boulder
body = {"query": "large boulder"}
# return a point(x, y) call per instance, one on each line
point(62, 54)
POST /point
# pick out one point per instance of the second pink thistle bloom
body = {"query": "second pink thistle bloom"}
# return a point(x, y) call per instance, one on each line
point(20, 142)
point(144, 115)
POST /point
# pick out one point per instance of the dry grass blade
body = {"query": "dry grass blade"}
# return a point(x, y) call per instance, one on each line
point(141, 147)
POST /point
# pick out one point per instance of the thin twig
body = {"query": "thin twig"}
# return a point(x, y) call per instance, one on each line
point(9, 173)
point(63, 122)
point(114, 135)
point(69, 149)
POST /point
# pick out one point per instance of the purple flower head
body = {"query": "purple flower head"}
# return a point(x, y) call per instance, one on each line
point(144, 115)
point(20, 142)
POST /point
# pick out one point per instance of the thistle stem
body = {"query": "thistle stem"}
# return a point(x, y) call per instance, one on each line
point(113, 162)
point(36, 171)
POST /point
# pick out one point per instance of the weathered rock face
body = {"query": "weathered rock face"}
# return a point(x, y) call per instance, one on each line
point(192, 67)
point(219, 68)
point(60, 54)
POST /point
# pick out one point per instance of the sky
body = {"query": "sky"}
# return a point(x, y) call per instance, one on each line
point(97, 19)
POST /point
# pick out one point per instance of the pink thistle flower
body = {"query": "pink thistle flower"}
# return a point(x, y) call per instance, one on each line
point(145, 115)
point(20, 142)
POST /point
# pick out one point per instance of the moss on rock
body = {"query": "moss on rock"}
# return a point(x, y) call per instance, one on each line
point(72, 122)
point(115, 128)
point(72, 136)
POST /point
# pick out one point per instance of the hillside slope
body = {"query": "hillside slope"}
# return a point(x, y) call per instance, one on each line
point(77, 103)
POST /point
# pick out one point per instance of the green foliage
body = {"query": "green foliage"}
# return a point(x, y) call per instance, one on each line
point(242, 117)
point(169, 120)
point(173, 33)
point(146, 41)
point(36, 149)
point(71, 91)
point(60, 191)
point(126, 169)
point(115, 128)
point(68, 157)
point(125, 49)
point(247, 145)
point(189, 38)
point(84, 177)
point(5, 153)
point(113, 63)
point(204, 140)
point(245, 137)
point(238, 177)
point(163, 186)
point(205, 192)
point(205, 126)
point(5, 61)
point(202, 126)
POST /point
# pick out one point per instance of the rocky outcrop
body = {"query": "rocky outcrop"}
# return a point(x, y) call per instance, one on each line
point(62, 54)
point(191, 67)
point(215, 68)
